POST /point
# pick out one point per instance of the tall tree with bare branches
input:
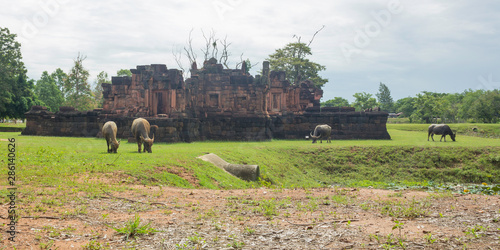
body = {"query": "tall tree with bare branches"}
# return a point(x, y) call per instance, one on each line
point(213, 48)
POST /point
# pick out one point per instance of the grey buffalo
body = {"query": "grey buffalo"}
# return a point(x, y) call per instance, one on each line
point(140, 130)
point(440, 129)
point(321, 132)
point(109, 133)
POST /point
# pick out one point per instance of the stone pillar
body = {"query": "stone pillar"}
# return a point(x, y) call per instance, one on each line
point(267, 86)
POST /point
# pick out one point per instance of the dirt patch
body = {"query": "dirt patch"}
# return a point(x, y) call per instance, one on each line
point(181, 172)
point(322, 218)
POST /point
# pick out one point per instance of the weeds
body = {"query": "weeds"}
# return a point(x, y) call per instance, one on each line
point(429, 239)
point(133, 228)
point(249, 231)
point(94, 245)
point(412, 209)
point(47, 245)
point(476, 231)
point(268, 208)
point(236, 244)
point(196, 239)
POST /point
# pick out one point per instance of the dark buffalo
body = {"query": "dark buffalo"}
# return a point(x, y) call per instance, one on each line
point(109, 133)
point(440, 129)
point(140, 130)
point(321, 132)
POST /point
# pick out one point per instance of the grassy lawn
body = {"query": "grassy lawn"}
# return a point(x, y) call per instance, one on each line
point(473, 129)
point(407, 158)
point(64, 183)
point(12, 127)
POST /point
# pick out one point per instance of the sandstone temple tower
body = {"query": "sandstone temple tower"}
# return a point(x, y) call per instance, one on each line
point(155, 91)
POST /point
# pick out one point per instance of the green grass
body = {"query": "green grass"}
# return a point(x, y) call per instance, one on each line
point(82, 164)
point(133, 228)
point(11, 127)
point(485, 130)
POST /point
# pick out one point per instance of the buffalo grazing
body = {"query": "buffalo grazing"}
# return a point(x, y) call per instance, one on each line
point(109, 132)
point(440, 129)
point(321, 132)
point(140, 130)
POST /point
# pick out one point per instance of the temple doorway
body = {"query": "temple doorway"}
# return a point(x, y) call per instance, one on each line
point(160, 103)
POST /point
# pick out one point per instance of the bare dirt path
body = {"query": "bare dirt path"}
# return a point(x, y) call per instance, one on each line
point(322, 218)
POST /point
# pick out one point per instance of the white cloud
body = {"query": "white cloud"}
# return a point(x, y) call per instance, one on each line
point(435, 46)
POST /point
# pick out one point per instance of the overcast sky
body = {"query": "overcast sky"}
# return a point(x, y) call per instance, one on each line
point(411, 46)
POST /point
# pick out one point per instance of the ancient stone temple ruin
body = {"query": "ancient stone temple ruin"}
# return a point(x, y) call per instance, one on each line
point(155, 91)
point(213, 104)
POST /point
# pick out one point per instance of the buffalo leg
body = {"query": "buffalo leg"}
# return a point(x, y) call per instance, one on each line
point(139, 146)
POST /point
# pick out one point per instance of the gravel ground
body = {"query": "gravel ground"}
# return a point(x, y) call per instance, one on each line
point(322, 218)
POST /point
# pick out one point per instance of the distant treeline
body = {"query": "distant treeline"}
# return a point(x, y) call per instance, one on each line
point(429, 107)
point(468, 106)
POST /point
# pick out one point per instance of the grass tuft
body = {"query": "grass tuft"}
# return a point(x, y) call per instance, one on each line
point(133, 228)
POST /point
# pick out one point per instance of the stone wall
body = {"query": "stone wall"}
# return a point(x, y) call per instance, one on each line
point(221, 128)
point(66, 122)
point(345, 123)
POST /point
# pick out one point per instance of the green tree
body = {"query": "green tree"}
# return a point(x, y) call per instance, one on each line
point(363, 101)
point(384, 98)
point(123, 72)
point(248, 65)
point(23, 98)
point(77, 87)
point(60, 79)
point(486, 108)
point(454, 102)
point(336, 102)
point(97, 90)
point(292, 59)
point(11, 68)
point(429, 106)
point(468, 98)
point(17, 95)
point(48, 92)
point(406, 106)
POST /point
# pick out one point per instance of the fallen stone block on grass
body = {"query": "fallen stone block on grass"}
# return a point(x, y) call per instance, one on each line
point(242, 171)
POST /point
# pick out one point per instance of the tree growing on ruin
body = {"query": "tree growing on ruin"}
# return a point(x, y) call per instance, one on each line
point(77, 87)
point(293, 60)
point(213, 47)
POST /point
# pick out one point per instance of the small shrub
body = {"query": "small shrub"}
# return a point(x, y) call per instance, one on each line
point(132, 228)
